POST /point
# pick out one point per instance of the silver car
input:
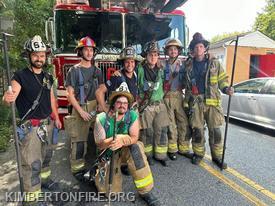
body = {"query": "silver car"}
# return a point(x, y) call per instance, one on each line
point(253, 102)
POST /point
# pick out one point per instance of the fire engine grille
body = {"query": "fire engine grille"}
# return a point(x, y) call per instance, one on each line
point(107, 68)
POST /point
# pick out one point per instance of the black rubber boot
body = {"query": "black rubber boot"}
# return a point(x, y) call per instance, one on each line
point(188, 155)
point(164, 162)
point(150, 199)
point(172, 156)
point(218, 162)
point(50, 185)
point(150, 161)
point(124, 170)
point(196, 159)
point(80, 176)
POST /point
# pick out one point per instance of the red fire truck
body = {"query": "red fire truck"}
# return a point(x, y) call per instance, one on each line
point(113, 25)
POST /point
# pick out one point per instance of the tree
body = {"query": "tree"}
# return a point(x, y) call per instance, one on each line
point(224, 36)
point(265, 21)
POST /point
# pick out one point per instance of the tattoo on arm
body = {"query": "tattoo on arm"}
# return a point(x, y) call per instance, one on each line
point(99, 132)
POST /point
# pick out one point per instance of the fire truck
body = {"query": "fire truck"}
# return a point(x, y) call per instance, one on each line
point(112, 25)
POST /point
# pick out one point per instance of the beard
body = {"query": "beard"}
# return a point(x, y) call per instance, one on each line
point(37, 64)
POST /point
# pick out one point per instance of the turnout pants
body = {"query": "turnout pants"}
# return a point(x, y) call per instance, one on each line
point(154, 127)
point(36, 156)
point(78, 131)
point(139, 169)
point(178, 132)
point(213, 117)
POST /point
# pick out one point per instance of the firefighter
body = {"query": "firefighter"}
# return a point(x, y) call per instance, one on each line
point(178, 133)
point(204, 78)
point(32, 91)
point(128, 60)
point(126, 146)
point(81, 83)
point(153, 113)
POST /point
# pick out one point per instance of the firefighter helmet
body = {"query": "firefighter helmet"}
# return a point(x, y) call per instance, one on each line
point(128, 53)
point(151, 46)
point(85, 42)
point(173, 42)
point(198, 38)
point(35, 45)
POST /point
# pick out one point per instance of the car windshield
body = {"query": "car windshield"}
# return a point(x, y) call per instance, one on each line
point(252, 86)
point(105, 28)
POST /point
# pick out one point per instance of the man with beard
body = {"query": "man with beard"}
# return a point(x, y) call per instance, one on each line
point(82, 81)
point(30, 86)
point(125, 146)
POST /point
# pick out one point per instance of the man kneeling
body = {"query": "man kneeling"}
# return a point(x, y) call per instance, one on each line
point(126, 147)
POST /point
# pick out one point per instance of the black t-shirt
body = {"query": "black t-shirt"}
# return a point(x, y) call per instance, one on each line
point(30, 88)
point(92, 77)
point(115, 82)
point(150, 74)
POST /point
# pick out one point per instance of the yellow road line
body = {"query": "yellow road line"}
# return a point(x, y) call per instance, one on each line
point(232, 184)
point(248, 181)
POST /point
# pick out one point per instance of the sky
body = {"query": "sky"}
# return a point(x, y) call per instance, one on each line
point(213, 17)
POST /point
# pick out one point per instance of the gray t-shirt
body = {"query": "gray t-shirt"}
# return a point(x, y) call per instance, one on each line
point(92, 77)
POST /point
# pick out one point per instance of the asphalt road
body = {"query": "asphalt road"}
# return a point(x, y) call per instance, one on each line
point(249, 180)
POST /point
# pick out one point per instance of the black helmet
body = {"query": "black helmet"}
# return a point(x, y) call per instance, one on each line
point(198, 38)
point(151, 46)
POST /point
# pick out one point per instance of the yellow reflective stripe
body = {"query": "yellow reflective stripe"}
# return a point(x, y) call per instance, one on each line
point(77, 166)
point(32, 196)
point(198, 150)
point(172, 146)
point(214, 79)
point(222, 76)
point(224, 84)
point(46, 174)
point(213, 102)
point(148, 148)
point(183, 148)
point(144, 182)
point(159, 149)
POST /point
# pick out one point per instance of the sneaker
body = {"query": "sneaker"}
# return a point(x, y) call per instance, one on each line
point(50, 185)
point(125, 170)
point(196, 159)
point(218, 162)
point(188, 155)
point(172, 156)
point(150, 199)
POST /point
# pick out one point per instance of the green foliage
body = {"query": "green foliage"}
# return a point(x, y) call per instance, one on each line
point(5, 126)
point(224, 36)
point(265, 21)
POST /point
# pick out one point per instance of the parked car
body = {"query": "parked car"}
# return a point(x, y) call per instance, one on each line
point(253, 102)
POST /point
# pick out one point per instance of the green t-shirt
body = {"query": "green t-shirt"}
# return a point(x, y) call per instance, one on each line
point(121, 126)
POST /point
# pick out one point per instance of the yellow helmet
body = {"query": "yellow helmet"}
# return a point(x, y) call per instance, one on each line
point(173, 42)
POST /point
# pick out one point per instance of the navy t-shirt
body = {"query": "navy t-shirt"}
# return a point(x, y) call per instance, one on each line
point(115, 82)
point(199, 72)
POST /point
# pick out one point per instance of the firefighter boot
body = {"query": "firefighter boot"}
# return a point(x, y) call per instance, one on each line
point(150, 161)
point(196, 159)
point(49, 184)
point(172, 156)
point(188, 155)
point(218, 162)
point(163, 162)
point(150, 199)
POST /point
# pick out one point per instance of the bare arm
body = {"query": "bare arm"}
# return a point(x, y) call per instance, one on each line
point(55, 110)
point(71, 98)
point(100, 97)
point(124, 140)
point(10, 96)
point(100, 136)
